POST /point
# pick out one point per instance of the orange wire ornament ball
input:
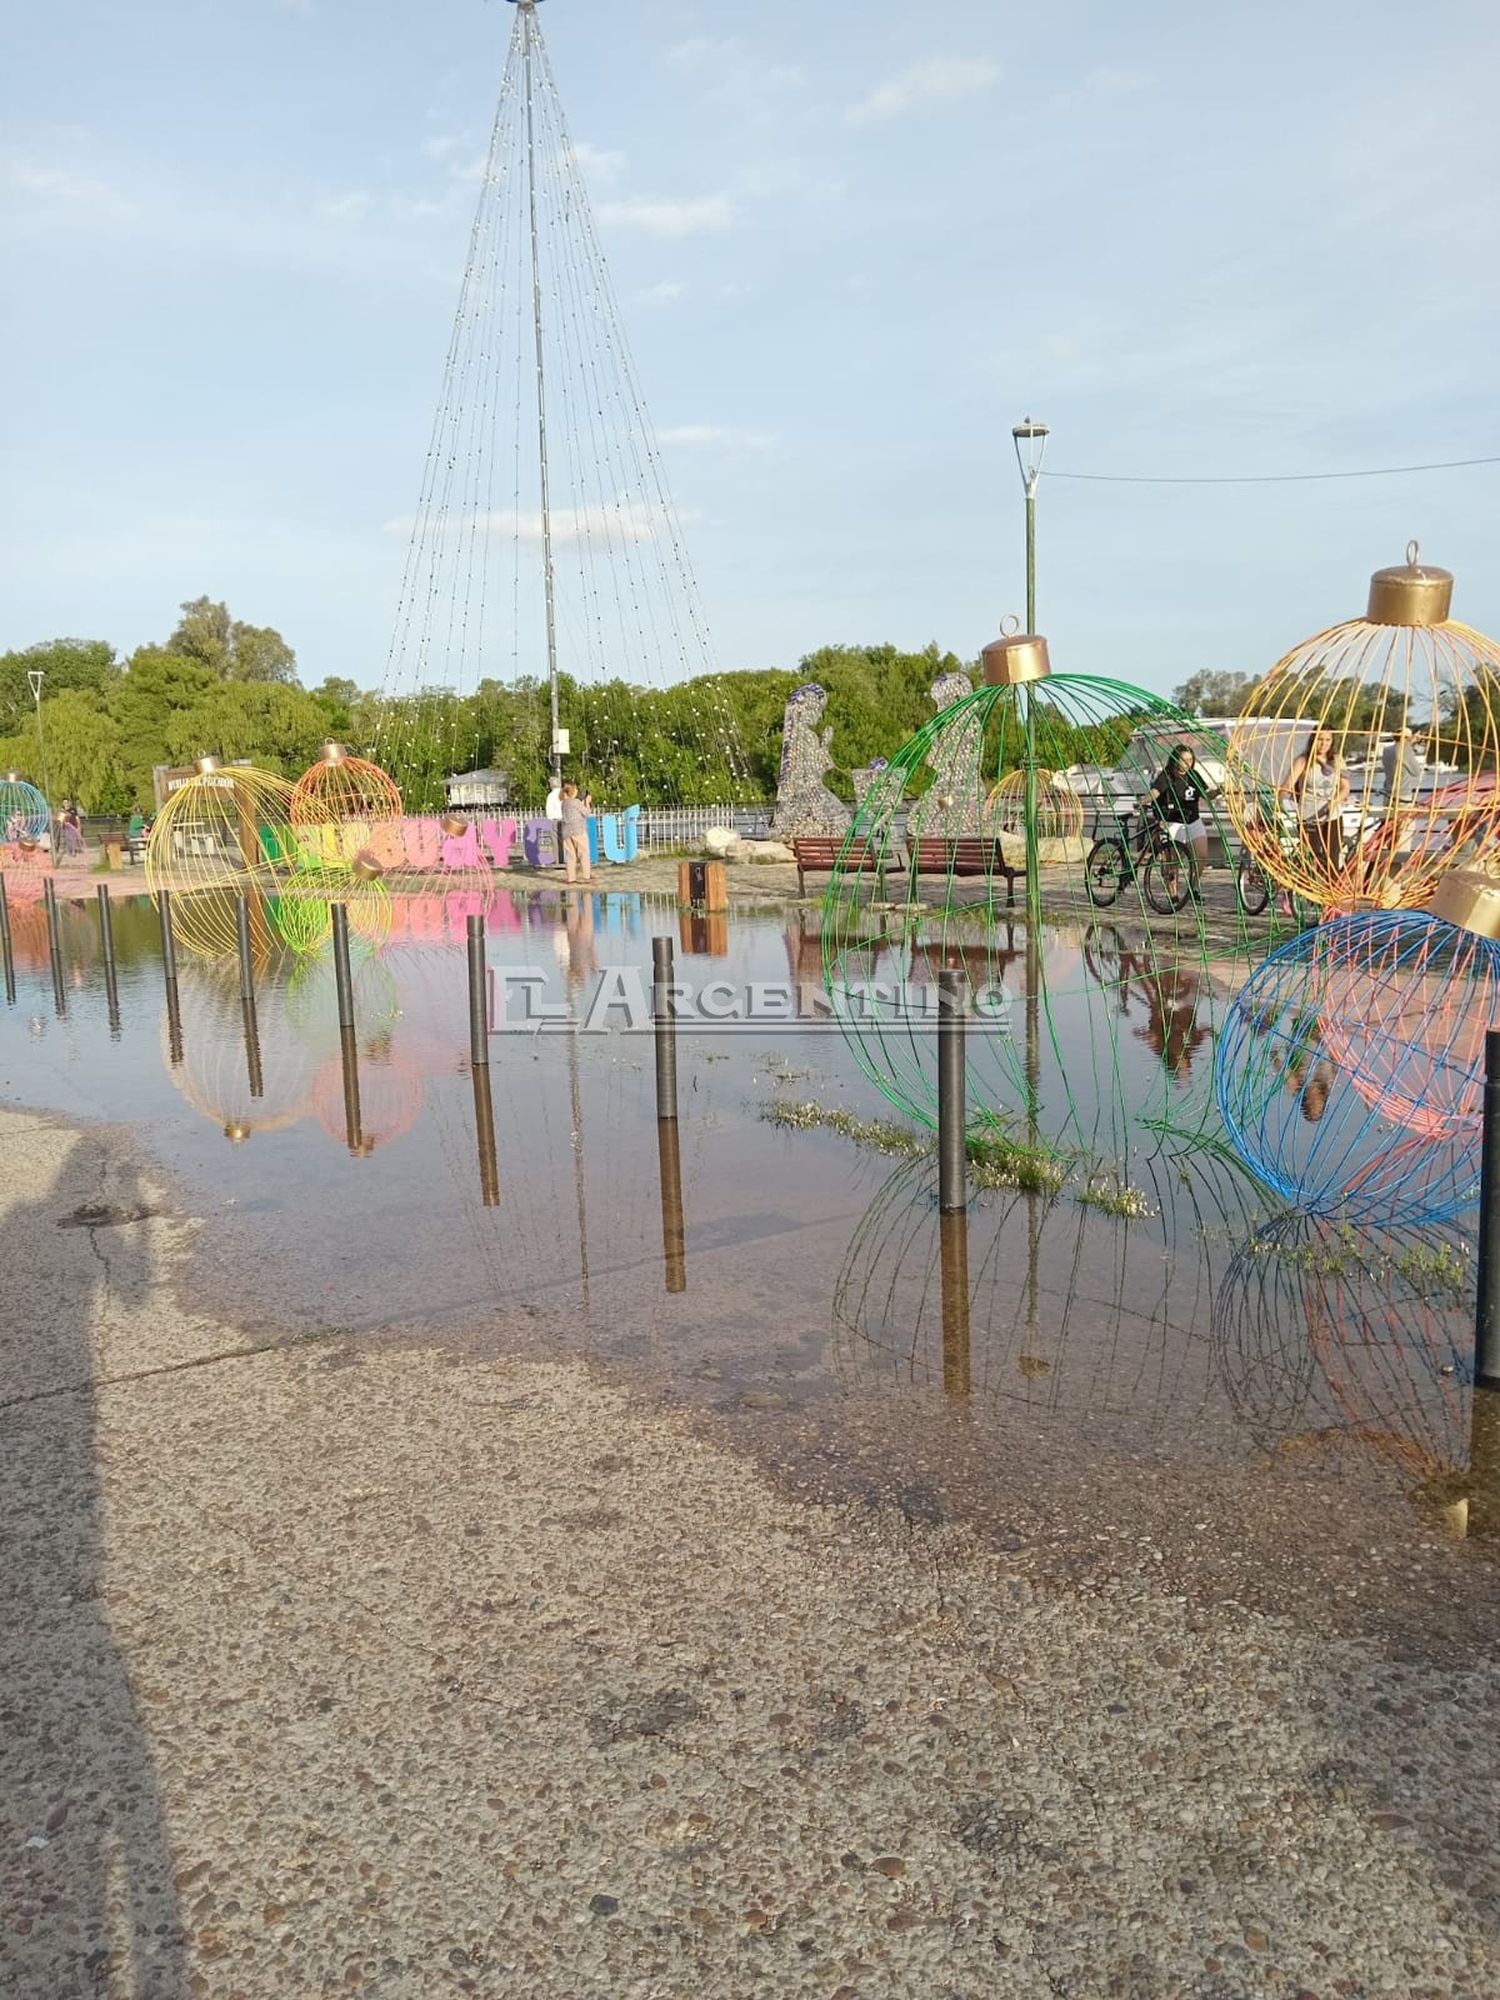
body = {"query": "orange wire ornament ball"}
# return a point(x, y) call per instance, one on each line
point(339, 801)
point(1395, 718)
point(228, 832)
point(390, 1099)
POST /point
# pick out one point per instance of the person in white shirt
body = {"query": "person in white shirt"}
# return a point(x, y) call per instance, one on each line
point(554, 811)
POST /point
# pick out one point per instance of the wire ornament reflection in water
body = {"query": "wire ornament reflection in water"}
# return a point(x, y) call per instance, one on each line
point(1112, 1321)
point(1337, 1340)
point(1345, 1070)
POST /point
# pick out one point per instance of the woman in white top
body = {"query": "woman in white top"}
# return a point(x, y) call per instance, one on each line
point(1317, 788)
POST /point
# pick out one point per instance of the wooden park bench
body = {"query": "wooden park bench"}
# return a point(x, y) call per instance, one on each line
point(822, 853)
point(969, 854)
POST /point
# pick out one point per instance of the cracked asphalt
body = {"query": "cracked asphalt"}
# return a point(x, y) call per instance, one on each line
point(330, 1665)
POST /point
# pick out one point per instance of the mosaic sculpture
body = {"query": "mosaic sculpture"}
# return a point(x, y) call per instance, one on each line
point(804, 804)
point(953, 803)
point(1326, 811)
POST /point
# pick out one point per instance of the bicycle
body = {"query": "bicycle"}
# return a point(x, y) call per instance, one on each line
point(1169, 871)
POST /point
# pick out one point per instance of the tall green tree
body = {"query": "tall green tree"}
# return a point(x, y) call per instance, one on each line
point(65, 663)
point(230, 649)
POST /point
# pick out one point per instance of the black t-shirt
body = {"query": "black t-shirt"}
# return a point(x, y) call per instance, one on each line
point(1178, 797)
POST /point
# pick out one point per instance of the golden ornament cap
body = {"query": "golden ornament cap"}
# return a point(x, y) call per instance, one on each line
point(334, 753)
point(238, 1132)
point(14, 778)
point(1015, 657)
point(454, 825)
point(205, 765)
point(1414, 593)
point(1469, 900)
point(366, 867)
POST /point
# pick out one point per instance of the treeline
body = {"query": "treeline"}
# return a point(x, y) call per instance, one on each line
point(217, 685)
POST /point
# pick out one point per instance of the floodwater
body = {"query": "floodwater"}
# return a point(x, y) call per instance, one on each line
point(1156, 1363)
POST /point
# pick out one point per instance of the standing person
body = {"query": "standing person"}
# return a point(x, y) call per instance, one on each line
point(72, 829)
point(1317, 788)
point(1402, 761)
point(1177, 799)
point(575, 836)
point(554, 811)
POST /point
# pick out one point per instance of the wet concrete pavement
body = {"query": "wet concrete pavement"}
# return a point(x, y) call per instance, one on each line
point(335, 1663)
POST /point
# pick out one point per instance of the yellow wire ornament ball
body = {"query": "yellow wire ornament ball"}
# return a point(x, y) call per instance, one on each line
point(228, 832)
point(1397, 716)
point(1059, 811)
point(338, 801)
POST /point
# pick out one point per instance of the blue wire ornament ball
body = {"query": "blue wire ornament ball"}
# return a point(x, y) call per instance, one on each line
point(1349, 1069)
point(23, 811)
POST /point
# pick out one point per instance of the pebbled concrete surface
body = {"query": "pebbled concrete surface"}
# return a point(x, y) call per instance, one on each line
point(332, 1667)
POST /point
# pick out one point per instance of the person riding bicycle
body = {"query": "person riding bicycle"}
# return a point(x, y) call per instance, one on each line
point(1176, 801)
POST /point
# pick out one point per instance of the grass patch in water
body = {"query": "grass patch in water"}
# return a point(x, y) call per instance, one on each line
point(1003, 1163)
point(879, 1135)
point(1115, 1197)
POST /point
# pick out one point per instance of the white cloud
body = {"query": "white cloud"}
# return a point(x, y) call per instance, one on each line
point(723, 437)
point(1103, 85)
point(626, 521)
point(663, 293)
point(738, 77)
point(939, 80)
point(64, 189)
point(690, 217)
point(598, 164)
point(344, 207)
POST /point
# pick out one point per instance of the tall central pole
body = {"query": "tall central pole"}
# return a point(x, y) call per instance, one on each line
point(528, 29)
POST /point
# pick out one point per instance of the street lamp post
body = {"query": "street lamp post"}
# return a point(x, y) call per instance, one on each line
point(1031, 446)
point(34, 679)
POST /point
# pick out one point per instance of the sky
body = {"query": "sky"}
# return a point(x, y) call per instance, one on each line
point(854, 242)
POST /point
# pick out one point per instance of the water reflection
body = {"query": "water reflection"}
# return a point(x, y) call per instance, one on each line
point(1332, 1339)
point(1063, 1301)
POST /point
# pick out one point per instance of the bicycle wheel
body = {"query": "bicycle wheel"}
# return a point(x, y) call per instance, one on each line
point(1168, 882)
point(1106, 871)
point(1253, 885)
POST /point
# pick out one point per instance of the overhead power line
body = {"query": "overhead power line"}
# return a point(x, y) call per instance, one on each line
point(1266, 478)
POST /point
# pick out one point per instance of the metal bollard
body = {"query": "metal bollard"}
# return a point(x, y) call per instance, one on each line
point(54, 946)
point(7, 950)
point(1487, 1302)
point(484, 1132)
point(953, 1236)
point(673, 1227)
point(354, 1131)
point(107, 946)
point(343, 977)
point(479, 1012)
point(953, 1192)
point(168, 941)
point(664, 1015)
point(252, 1047)
point(246, 948)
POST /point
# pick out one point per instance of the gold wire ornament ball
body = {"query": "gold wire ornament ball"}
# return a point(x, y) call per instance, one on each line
point(229, 832)
point(214, 1074)
point(1059, 811)
point(1398, 716)
point(339, 802)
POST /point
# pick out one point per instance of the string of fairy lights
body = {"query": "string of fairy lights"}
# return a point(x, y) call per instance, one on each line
point(629, 615)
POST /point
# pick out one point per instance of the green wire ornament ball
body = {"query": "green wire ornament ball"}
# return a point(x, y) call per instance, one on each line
point(1086, 1020)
